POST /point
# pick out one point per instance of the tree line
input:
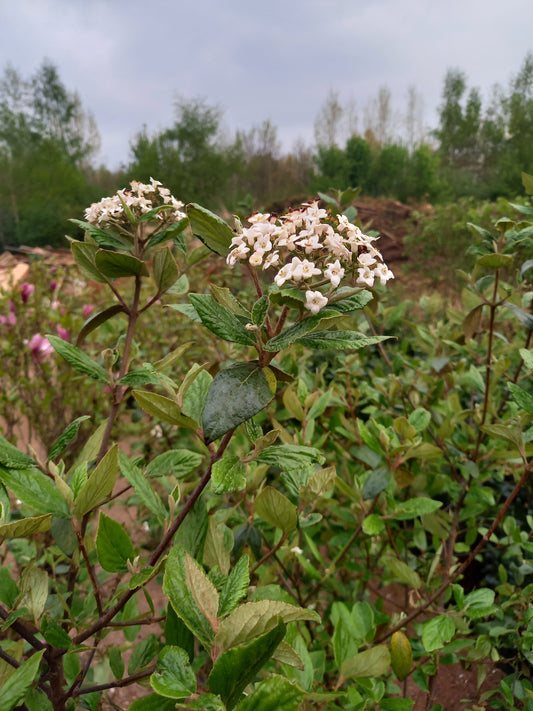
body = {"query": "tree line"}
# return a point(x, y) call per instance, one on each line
point(49, 142)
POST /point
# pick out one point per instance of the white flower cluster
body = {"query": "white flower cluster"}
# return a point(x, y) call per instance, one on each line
point(306, 244)
point(140, 199)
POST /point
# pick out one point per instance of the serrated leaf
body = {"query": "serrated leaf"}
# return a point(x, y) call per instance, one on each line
point(84, 254)
point(275, 508)
point(508, 433)
point(97, 320)
point(26, 527)
point(143, 653)
point(297, 330)
point(174, 678)
point(79, 360)
point(522, 397)
point(204, 593)
point(12, 458)
point(36, 490)
point(113, 545)
point(16, 686)
point(99, 484)
point(164, 409)
point(217, 545)
point(368, 664)
point(178, 462)
point(419, 506)
point(115, 265)
point(236, 394)
point(237, 667)
point(141, 486)
point(67, 436)
point(260, 310)
point(256, 618)
point(235, 587)
point(182, 599)
point(220, 320)
point(33, 585)
point(210, 228)
point(228, 474)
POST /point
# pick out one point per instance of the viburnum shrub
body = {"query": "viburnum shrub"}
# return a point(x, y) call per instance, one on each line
point(59, 608)
point(310, 471)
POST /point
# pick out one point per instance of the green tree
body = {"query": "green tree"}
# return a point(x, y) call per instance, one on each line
point(359, 161)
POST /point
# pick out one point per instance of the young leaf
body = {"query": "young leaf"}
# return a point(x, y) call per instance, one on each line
point(113, 545)
point(237, 667)
point(164, 409)
point(33, 586)
point(220, 320)
point(236, 394)
point(99, 484)
point(228, 474)
point(174, 677)
point(79, 360)
point(210, 228)
point(63, 440)
point(26, 527)
point(235, 587)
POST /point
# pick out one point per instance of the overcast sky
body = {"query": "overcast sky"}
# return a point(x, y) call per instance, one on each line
point(276, 59)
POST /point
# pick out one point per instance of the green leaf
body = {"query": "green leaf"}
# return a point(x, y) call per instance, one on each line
point(220, 320)
point(196, 395)
point(297, 330)
point(164, 409)
point(373, 525)
point(404, 573)
point(12, 458)
point(260, 310)
point(377, 481)
point(113, 545)
point(273, 694)
point(340, 340)
point(345, 301)
point(256, 618)
point(479, 603)
point(275, 508)
point(182, 599)
point(143, 653)
point(527, 357)
point(236, 394)
point(165, 269)
point(84, 254)
point(235, 587)
point(116, 662)
point(16, 686)
point(179, 462)
point(368, 664)
point(522, 398)
point(228, 474)
point(495, 261)
point(420, 419)
point(97, 320)
point(104, 238)
point(8, 588)
point(26, 527)
point(37, 700)
point(437, 632)
point(318, 407)
point(141, 486)
point(36, 490)
point(54, 634)
point(525, 318)
point(425, 451)
point(99, 484)
point(67, 436)
point(219, 541)
point(174, 677)
point(115, 265)
point(237, 667)
point(418, 506)
point(508, 433)
point(153, 702)
point(210, 228)
point(79, 360)
point(203, 591)
point(225, 298)
point(33, 586)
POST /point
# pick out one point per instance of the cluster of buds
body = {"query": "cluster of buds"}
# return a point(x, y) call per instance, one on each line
point(310, 251)
point(140, 199)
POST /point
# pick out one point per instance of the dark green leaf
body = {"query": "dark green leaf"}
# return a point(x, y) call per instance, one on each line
point(220, 320)
point(153, 702)
point(116, 662)
point(97, 320)
point(235, 587)
point(377, 481)
point(259, 311)
point(236, 394)
point(115, 265)
point(237, 667)
point(84, 254)
point(8, 588)
point(349, 303)
point(113, 545)
point(79, 360)
point(296, 331)
point(143, 653)
point(67, 436)
point(178, 462)
point(165, 269)
point(12, 458)
point(522, 397)
point(225, 298)
point(210, 228)
point(326, 340)
point(104, 238)
point(273, 694)
point(54, 634)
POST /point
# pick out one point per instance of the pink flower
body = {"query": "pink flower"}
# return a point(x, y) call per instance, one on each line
point(40, 346)
point(26, 290)
point(53, 285)
point(87, 310)
point(63, 333)
point(11, 319)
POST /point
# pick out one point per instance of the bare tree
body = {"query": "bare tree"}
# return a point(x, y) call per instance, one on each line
point(414, 118)
point(328, 124)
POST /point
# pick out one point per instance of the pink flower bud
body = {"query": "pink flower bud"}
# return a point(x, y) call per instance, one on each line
point(26, 290)
point(87, 310)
